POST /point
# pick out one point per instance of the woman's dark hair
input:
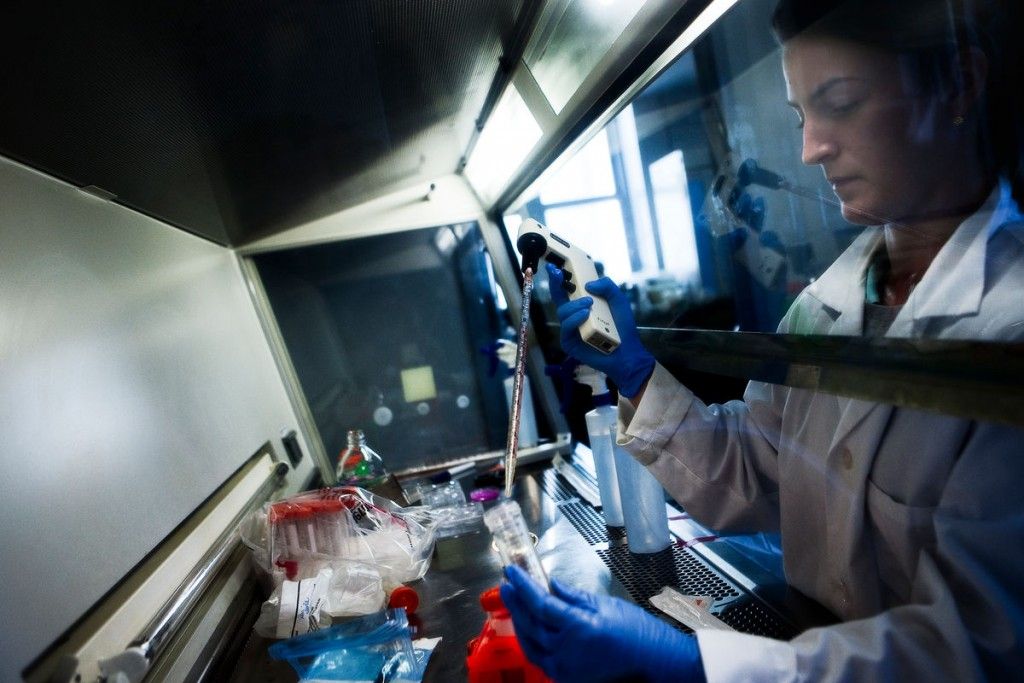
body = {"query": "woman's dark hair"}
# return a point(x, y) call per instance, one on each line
point(930, 35)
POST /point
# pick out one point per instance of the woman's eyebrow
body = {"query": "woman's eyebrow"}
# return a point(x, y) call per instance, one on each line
point(823, 89)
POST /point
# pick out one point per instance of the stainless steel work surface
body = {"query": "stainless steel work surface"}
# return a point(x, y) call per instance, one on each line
point(576, 548)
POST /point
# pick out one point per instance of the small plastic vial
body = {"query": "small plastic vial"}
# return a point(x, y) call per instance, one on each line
point(358, 464)
point(515, 546)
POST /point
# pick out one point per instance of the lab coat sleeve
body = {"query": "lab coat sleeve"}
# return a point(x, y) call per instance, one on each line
point(719, 461)
point(965, 620)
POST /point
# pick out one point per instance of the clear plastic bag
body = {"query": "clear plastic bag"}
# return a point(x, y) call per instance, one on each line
point(448, 508)
point(358, 535)
point(294, 607)
point(297, 537)
point(374, 647)
point(341, 589)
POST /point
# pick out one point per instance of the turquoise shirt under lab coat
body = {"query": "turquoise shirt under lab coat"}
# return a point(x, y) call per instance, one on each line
point(907, 524)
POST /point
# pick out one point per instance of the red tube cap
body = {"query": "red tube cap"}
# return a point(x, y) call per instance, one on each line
point(406, 597)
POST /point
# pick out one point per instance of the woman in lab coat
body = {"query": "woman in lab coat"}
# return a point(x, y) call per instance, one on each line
point(908, 525)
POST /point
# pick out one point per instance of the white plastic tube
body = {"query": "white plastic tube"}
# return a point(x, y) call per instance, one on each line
point(643, 505)
point(601, 425)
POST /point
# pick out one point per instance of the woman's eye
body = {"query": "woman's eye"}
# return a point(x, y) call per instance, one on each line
point(843, 108)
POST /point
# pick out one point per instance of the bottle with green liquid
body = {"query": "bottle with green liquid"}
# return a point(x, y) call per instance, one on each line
point(358, 464)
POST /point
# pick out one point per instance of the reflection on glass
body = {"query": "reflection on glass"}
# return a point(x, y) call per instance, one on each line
point(863, 179)
point(387, 335)
point(597, 224)
point(571, 38)
point(737, 184)
point(671, 198)
point(587, 175)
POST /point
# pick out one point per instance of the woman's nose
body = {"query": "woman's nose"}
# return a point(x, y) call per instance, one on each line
point(818, 146)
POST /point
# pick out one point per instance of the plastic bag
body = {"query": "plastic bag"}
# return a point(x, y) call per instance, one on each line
point(297, 537)
point(341, 589)
point(449, 510)
point(374, 647)
point(295, 607)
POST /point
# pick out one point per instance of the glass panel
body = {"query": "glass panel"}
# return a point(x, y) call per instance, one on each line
point(586, 176)
point(850, 173)
point(386, 335)
point(598, 224)
point(571, 38)
point(853, 172)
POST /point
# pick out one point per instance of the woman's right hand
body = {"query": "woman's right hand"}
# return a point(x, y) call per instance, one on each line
point(628, 366)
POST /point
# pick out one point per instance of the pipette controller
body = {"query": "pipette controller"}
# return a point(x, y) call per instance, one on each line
point(536, 242)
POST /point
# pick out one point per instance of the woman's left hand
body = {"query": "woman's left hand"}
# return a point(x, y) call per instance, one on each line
point(576, 636)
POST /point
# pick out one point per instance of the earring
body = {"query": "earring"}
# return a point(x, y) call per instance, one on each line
point(958, 120)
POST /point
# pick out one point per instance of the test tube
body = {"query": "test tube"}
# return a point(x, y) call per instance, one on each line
point(515, 546)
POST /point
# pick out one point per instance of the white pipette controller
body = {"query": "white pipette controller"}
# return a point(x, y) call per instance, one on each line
point(534, 242)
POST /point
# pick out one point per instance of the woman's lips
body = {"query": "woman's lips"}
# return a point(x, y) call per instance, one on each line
point(840, 182)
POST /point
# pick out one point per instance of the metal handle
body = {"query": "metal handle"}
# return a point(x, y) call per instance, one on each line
point(132, 665)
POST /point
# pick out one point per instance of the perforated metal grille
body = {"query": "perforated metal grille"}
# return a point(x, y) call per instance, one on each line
point(645, 575)
point(750, 616)
point(586, 520)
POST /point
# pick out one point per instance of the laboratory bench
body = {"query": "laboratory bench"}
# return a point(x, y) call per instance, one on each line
point(577, 548)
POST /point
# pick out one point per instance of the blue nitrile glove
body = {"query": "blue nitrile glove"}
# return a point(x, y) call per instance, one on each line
point(576, 636)
point(628, 366)
point(749, 210)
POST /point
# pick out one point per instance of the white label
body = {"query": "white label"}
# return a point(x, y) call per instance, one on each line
point(300, 607)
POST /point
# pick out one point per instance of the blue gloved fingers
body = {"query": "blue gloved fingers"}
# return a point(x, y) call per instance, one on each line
point(741, 207)
point(522, 616)
point(539, 643)
point(573, 308)
point(618, 303)
point(534, 648)
point(534, 640)
point(757, 214)
point(569, 336)
point(571, 326)
point(572, 595)
point(551, 612)
point(532, 596)
point(526, 619)
point(574, 636)
point(555, 282)
point(605, 288)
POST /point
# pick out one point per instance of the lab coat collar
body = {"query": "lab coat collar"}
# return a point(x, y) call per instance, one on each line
point(954, 283)
point(841, 288)
point(952, 286)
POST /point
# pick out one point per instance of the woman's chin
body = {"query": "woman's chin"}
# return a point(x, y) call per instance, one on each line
point(861, 215)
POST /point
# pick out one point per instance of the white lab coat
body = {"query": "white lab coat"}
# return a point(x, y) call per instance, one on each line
point(908, 525)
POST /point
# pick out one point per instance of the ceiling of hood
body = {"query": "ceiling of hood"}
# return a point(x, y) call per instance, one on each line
point(234, 120)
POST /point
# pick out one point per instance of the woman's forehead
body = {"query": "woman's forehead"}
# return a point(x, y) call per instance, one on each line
point(809, 62)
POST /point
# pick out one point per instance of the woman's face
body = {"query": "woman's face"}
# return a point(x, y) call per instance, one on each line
point(878, 142)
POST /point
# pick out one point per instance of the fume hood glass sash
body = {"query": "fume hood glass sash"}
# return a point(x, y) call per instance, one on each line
point(572, 38)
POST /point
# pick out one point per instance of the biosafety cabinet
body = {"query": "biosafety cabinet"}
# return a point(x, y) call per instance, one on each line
point(229, 233)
